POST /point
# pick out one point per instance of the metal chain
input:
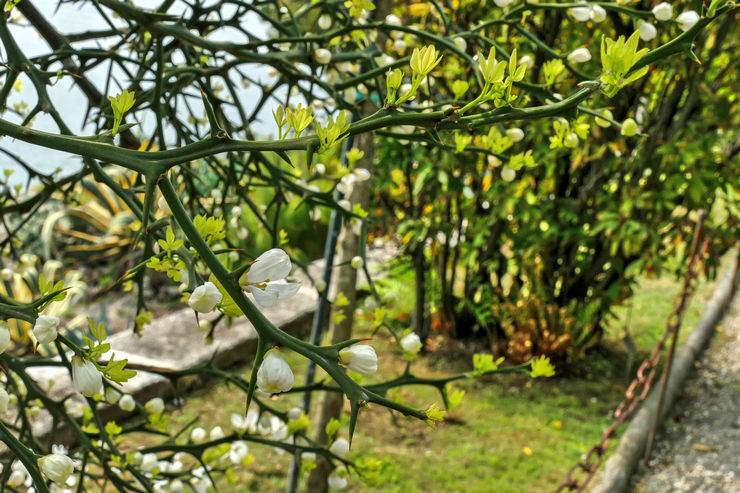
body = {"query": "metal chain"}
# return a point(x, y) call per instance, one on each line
point(580, 474)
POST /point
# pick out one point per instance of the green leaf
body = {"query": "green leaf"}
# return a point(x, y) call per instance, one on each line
point(120, 104)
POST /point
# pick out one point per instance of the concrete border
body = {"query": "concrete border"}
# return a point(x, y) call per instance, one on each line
point(618, 469)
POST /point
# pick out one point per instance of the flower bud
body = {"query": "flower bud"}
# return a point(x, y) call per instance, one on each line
point(127, 403)
point(337, 482)
point(360, 358)
point(149, 462)
point(198, 435)
point(57, 467)
point(571, 140)
point(204, 325)
point(598, 14)
point(515, 134)
point(629, 127)
point(357, 262)
point(154, 406)
point(324, 21)
point(579, 55)
point(460, 43)
point(205, 298)
point(501, 4)
point(663, 11)
point(687, 20)
point(322, 56)
point(177, 486)
point(508, 174)
point(411, 343)
point(4, 400)
point(216, 433)
point(45, 329)
point(4, 337)
point(581, 14)
point(86, 377)
point(164, 206)
point(647, 31)
point(340, 447)
point(274, 374)
point(604, 123)
point(112, 395)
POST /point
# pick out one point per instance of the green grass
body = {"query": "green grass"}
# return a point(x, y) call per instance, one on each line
point(511, 433)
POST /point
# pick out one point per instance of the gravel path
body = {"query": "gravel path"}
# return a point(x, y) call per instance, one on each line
point(699, 449)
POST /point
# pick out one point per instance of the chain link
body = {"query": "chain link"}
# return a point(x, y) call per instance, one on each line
point(580, 474)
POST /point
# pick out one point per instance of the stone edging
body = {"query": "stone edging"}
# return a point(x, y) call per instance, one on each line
point(618, 469)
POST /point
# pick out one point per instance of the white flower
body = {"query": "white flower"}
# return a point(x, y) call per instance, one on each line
point(508, 174)
point(112, 395)
point(340, 447)
point(216, 433)
point(411, 343)
point(45, 329)
point(164, 206)
point(503, 3)
point(204, 325)
point(264, 279)
point(647, 31)
point(322, 56)
point(198, 435)
point(154, 406)
point(357, 262)
point(663, 11)
point(579, 55)
point(295, 413)
point(57, 467)
point(324, 21)
point(86, 377)
point(205, 298)
point(239, 449)
point(4, 400)
point(687, 20)
point(274, 374)
point(337, 482)
point(359, 358)
point(177, 486)
point(515, 134)
point(4, 337)
point(581, 14)
point(392, 20)
point(127, 403)
point(308, 456)
point(598, 14)
point(149, 462)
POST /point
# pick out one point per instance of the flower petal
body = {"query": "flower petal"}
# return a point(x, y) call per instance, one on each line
point(273, 265)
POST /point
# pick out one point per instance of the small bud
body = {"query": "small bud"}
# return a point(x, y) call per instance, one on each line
point(581, 14)
point(604, 123)
point(647, 31)
point(663, 11)
point(57, 467)
point(580, 55)
point(337, 482)
point(598, 14)
point(687, 20)
point(204, 325)
point(515, 134)
point(411, 343)
point(508, 174)
point(274, 374)
point(322, 56)
point(205, 298)
point(45, 329)
point(216, 433)
point(112, 396)
point(164, 206)
point(198, 435)
point(503, 3)
point(460, 43)
point(360, 358)
point(357, 262)
point(324, 21)
point(86, 378)
point(629, 127)
point(154, 406)
point(340, 447)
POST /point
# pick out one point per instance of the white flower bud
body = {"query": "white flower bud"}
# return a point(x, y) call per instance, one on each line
point(687, 20)
point(361, 174)
point(127, 403)
point(216, 433)
point(149, 462)
point(274, 374)
point(392, 20)
point(154, 406)
point(579, 55)
point(598, 14)
point(527, 61)
point(57, 467)
point(400, 45)
point(337, 482)
point(320, 169)
point(86, 377)
point(4, 337)
point(164, 206)
point(198, 435)
point(45, 329)
point(340, 447)
point(357, 262)
point(204, 325)
point(345, 204)
point(112, 396)
point(571, 140)
point(359, 358)
point(581, 14)
point(508, 174)
point(647, 31)
point(295, 413)
point(460, 43)
point(205, 298)
point(324, 21)
point(503, 3)
point(4, 400)
point(663, 11)
point(322, 56)
point(177, 486)
point(515, 134)
point(308, 456)
point(411, 343)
